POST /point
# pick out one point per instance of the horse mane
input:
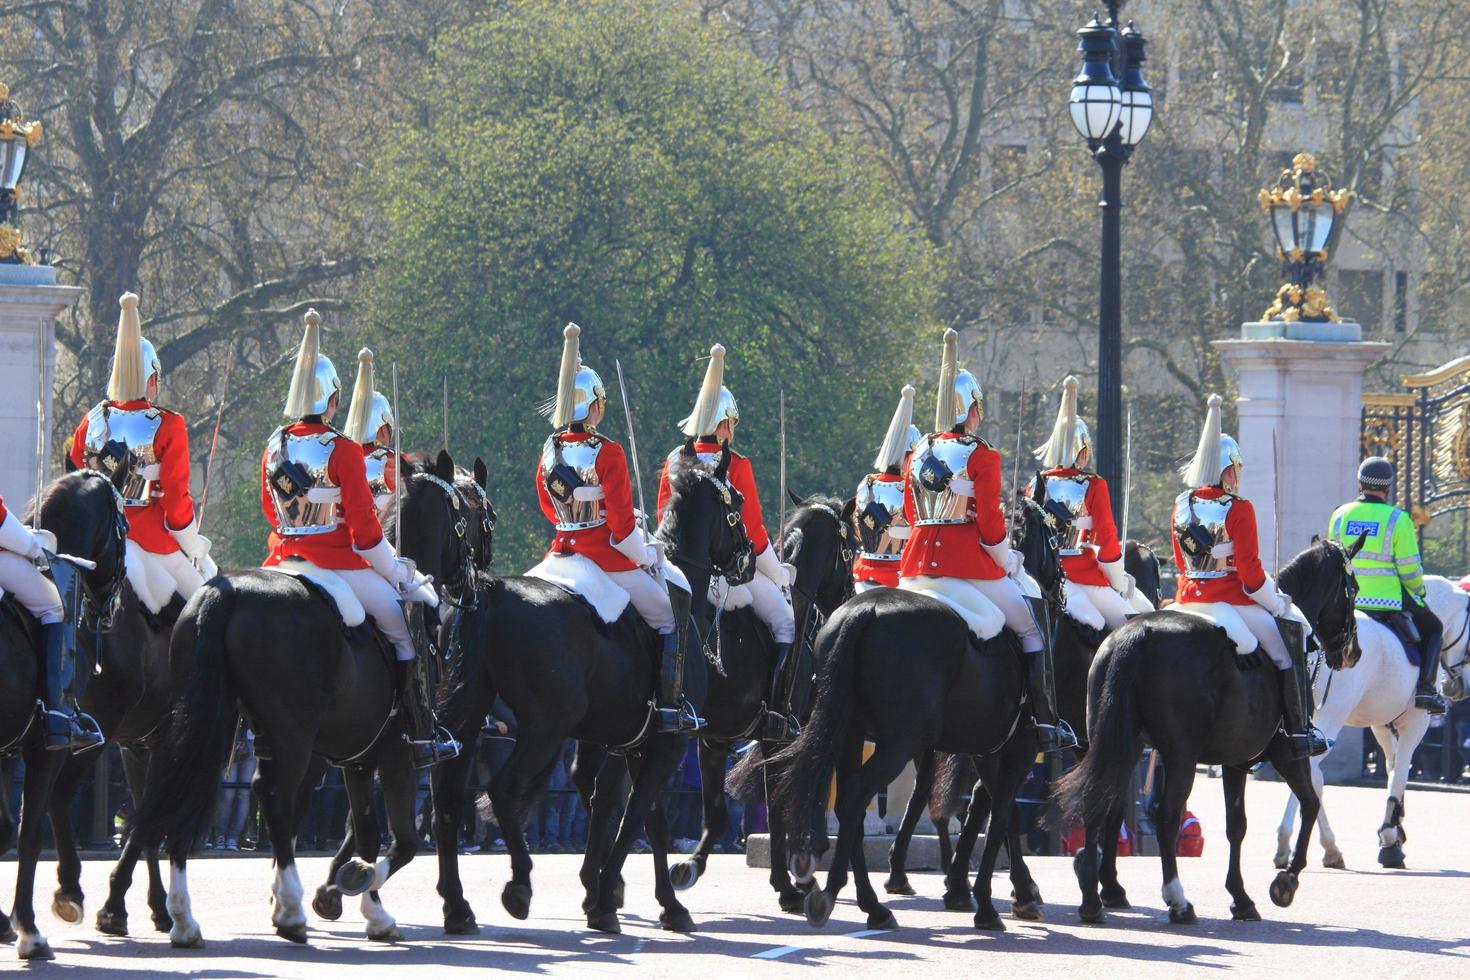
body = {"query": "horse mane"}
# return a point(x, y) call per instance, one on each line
point(389, 517)
point(1301, 577)
point(64, 484)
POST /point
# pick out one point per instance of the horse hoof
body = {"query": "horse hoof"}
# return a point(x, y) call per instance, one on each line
point(619, 893)
point(1115, 898)
point(959, 902)
point(1283, 889)
point(1026, 911)
point(683, 875)
point(162, 922)
point(517, 899)
point(1091, 914)
point(792, 901)
point(882, 919)
point(1333, 861)
point(1391, 857)
point(111, 923)
point(355, 877)
point(676, 920)
point(989, 921)
point(67, 909)
point(295, 933)
point(39, 949)
point(388, 935)
point(463, 924)
point(1245, 913)
point(605, 922)
point(327, 903)
point(1282, 861)
point(187, 940)
point(1184, 916)
point(818, 908)
point(898, 886)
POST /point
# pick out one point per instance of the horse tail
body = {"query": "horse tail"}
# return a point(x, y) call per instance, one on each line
point(954, 777)
point(746, 779)
point(184, 777)
point(1101, 782)
point(802, 769)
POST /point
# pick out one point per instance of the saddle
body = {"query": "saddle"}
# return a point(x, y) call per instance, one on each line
point(582, 577)
point(329, 585)
point(1401, 625)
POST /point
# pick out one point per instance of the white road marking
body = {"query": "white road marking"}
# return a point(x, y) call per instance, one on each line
point(780, 951)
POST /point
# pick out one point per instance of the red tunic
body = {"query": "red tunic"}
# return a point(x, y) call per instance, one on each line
point(742, 478)
point(3, 511)
point(1103, 536)
point(869, 570)
point(617, 489)
point(357, 524)
point(954, 550)
point(1245, 571)
point(171, 505)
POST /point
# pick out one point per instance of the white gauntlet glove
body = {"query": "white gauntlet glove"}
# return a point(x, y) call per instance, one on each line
point(16, 537)
point(1269, 599)
point(644, 554)
point(193, 544)
point(385, 562)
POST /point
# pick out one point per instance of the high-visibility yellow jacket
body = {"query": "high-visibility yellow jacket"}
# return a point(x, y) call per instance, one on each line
point(1388, 566)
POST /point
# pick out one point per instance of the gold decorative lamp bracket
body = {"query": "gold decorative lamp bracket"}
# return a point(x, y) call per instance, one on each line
point(1303, 209)
point(17, 137)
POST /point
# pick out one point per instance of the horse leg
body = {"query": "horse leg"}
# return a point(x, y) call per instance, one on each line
point(857, 783)
point(712, 756)
point(276, 783)
point(898, 853)
point(674, 917)
point(790, 895)
point(1406, 739)
point(448, 783)
point(327, 902)
point(399, 781)
point(1085, 865)
point(1283, 834)
point(67, 902)
point(598, 785)
point(135, 768)
point(42, 768)
point(1003, 782)
point(1332, 854)
point(1025, 895)
point(1298, 776)
point(957, 886)
point(1233, 780)
point(879, 916)
point(511, 793)
point(1179, 780)
point(661, 756)
point(1110, 889)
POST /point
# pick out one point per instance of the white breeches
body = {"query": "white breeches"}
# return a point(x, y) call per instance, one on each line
point(649, 596)
point(380, 600)
point(1097, 605)
point(31, 589)
point(155, 577)
point(1263, 626)
point(861, 587)
point(770, 604)
point(1007, 596)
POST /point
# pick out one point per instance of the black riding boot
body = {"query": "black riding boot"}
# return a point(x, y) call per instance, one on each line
point(66, 728)
point(1052, 733)
point(781, 722)
point(1425, 695)
point(1296, 695)
point(426, 740)
point(672, 712)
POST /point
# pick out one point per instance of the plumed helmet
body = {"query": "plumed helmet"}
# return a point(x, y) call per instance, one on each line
point(577, 386)
point(134, 359)
point(912, 438)
point(1069, 436)
point(314, 380)
point(715, 404)
point(370, 409)
point(897, 440)
point(958, 389)
point(1375, 473)
point(1215, 453)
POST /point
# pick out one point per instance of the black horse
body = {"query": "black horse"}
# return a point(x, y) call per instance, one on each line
point(942, 784)
point(1173, 679)
point(903, 670)
point(566, 674)
point(84, 511)
point(273, 646)
point(817, 541)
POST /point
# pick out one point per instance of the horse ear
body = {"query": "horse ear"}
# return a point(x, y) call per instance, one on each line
point(1039, 494)
point(482, 475)
point(723, 469)
point(1357, 546)
point(67, 465)
point(796, 499)
point(406, 469)
point(444, 466)
point(848, 509)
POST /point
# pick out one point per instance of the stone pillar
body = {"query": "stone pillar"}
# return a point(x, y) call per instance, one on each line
point(1304, 383)
point(30, 302)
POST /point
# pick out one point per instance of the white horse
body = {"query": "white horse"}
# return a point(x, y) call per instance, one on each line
point(1378, 693)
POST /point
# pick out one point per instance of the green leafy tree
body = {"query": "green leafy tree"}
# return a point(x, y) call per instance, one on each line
point(622, 164)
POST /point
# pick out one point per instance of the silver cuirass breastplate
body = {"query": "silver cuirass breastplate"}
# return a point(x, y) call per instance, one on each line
point(122, 441)
point(1204, 539)
point(939, 476)
point(882, 540)
point(576, 494)
point(1069, 494)
point(306, 499)
point(376, 463)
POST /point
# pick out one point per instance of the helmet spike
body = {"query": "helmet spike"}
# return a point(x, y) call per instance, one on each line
point(360, 427)
point(949, 366)
point(1204, 469)
point(1068, 435)
point(314, 379)
point(702, 419)
point(896, 441)
point(566, 379)
point(129, 379)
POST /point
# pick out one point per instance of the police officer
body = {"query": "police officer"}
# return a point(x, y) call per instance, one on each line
point(1389, 571)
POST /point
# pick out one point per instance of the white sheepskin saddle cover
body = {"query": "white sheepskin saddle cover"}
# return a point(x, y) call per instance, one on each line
point(349, 606)
point(151, 581)
point(581, 576)
point(982, 616)
point(1223, 615)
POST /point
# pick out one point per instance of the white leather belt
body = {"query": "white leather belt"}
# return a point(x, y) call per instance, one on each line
point(961, 488)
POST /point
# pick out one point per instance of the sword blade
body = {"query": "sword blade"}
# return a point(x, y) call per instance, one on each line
point(1127, 475)
point(219, 415)
point(632, 442)
point(781, 529)
point(1276, 501)
point(397, 461)
point(1020, 430)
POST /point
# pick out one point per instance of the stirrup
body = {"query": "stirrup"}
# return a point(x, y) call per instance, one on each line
point(676, 719)
point(781, 727)
point(441, 747)
point(1055, 738)
point(77, 732)
point(1430, 702)
point(1305, 745)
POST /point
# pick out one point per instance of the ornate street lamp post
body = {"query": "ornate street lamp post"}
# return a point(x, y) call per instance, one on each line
point(1111, 106)
point(17, 136)
point(1303, 209)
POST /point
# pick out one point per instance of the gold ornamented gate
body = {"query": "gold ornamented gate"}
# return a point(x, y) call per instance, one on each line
point(1425, 432)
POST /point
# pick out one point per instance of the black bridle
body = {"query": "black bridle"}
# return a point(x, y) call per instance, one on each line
point(841, 562)
point(100, 606)
point(735, 569)
point(459, 587)
point(1343, 640)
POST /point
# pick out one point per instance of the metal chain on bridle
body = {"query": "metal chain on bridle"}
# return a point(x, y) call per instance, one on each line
point(460, 594)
